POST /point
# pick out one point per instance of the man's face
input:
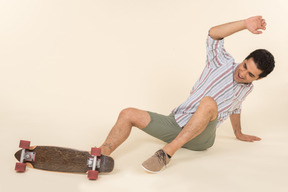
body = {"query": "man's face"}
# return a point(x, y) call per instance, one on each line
point(247, 72)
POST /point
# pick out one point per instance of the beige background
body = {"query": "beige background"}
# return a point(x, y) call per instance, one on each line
point(67, 68)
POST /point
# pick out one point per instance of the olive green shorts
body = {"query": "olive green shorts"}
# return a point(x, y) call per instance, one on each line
point(166, 129)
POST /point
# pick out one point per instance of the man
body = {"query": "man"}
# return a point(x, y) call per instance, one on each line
point(217, 95)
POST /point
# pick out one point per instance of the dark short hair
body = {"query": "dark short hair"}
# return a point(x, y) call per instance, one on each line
point(264, 61)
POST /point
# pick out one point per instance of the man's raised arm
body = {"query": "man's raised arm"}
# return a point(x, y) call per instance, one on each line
point(253, 24)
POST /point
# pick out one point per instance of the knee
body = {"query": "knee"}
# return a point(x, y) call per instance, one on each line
point(210, 105)
point(134, 117)
point(127, 113)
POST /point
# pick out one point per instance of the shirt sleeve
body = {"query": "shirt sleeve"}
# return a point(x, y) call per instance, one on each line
point(216, 53)
point(237, 111)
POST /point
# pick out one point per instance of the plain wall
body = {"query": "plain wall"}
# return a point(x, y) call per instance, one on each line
point(67, 67)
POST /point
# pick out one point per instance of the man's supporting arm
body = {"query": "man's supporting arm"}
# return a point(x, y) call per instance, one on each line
point(236, 125)
point(253, 24)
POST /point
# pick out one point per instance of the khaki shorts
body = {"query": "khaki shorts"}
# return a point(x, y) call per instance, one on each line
point(166, 129)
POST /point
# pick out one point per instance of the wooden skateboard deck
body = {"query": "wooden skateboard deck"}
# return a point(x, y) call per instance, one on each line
point(62, 159)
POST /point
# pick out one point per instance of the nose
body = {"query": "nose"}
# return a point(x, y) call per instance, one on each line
point(243, 74)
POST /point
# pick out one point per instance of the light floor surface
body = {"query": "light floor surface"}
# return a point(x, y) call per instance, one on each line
point(230, 165)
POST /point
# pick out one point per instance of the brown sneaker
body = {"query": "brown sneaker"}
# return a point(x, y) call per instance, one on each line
point(157, 162)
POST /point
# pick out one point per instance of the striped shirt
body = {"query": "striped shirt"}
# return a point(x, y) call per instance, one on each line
point(217, 82)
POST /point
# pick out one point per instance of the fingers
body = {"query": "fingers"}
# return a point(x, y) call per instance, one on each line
point(254, 138)
point(257, 32)
point(256, 25)
point(263, 24)
point(249, 138)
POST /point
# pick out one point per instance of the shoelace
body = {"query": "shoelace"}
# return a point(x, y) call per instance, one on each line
point(161, 156)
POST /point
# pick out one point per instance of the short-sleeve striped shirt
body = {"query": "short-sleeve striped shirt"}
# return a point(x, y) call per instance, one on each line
point(217, 82)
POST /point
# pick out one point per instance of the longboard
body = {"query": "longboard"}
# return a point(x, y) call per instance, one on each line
point(60, 159)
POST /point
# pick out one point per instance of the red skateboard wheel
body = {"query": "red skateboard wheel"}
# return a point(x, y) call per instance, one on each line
point(20, 167)
point(95, 151)
point(24, 144)
point(92, 175)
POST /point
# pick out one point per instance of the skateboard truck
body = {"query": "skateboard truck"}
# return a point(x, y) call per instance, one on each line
point(25, 156)
point(94, 163)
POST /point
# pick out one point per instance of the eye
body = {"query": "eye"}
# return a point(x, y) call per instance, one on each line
point(245, 66)
point(251, 75)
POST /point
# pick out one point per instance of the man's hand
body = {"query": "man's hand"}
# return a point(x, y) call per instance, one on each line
point(248, 138)
point(254, 24)
point(236, 125)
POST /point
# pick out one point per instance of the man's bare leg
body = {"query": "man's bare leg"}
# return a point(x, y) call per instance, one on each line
point(206, 112)
point(119, 133)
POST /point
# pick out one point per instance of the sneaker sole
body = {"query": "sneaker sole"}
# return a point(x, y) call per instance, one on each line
point(149, 171)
